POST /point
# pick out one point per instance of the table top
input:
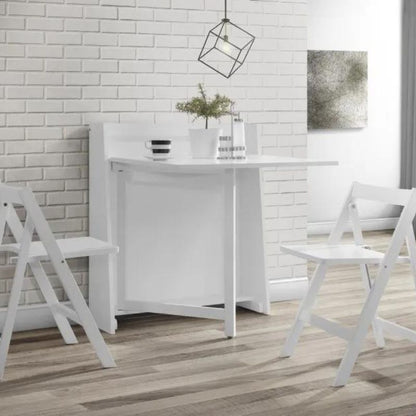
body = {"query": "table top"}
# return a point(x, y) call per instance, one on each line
point(188, 164)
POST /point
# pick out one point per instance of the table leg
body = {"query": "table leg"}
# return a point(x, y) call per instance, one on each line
point(230, 239)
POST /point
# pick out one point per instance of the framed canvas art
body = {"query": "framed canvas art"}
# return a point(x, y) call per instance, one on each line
point(337, 89)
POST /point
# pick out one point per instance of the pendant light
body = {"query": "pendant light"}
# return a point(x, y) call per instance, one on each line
point(226, 47)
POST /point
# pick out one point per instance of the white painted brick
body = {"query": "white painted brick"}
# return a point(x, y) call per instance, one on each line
point(82, 52)
point(12, 50)
point(7, 106)
point(43, 160)
point(44, 106)
point(11, 161)
point(136, 66)
point(137, 14)
point(63, 38)
point(47, 186)
point(26, 174)
point(154, 79)
point(59, 226)
point(76, 211)
point(100, 92)
point(169, 41)
point(192, 29)
point(155, 53)
point(118, 53)
point(76, 106)
point(12, 23)
point(100, 39)
point(24, 146)
point(36, 51)
point(164, 4)
point(118, 26)
point(118, 79)
point(100, 66)
point(82, 79)
point(118, 2)
point(24, 37)
point(63, 65)
point(62, 173)
point(135, 92)
point(63, 92)
point(170, 15)
point(154, 105)
point(63, 198)
point(11, 78)
point(36, 78)
point(42, 23)
point(22, 64)
point(63, 119)
point(101, 12)
point(185, 4)
point(54, 10)
point(90, 2)
point(75, 159)
point(82, 25)
point(43, 133)
point(25, 119)
point(118, 105)
point(13, 133)
point(63, 146)
point(154, 28)
point(24, 92)
point(137, 40)
point(25, 9)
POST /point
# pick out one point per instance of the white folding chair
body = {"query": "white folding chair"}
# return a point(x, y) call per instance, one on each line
point(57, 251)
point(335, 253)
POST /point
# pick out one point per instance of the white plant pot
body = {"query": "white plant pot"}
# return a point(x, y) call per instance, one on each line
point(204, 143)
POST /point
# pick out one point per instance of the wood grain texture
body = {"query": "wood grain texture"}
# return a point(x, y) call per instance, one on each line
point(182, 366)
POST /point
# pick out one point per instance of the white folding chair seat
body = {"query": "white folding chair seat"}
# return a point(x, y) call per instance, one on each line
point(334, 253)
point(31, 253)
point(70, 248)
point(339, 254)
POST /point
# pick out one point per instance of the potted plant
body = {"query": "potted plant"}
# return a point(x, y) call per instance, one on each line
point(204, 142)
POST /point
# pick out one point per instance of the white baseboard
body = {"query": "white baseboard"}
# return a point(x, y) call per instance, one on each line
point(30, 317)
point(288, 289)
point(316, 228)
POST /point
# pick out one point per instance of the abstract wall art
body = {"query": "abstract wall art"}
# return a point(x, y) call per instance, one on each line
point(337, 89)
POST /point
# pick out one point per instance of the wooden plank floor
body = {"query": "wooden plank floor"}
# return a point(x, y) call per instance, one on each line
point(179, 366)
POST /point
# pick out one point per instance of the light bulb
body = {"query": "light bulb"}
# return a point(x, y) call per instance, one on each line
point(226, 47)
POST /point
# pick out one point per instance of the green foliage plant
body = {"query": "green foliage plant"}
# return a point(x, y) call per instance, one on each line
point(205, 107)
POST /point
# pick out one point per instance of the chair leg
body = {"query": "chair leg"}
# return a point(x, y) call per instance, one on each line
point(376, 325)
point(367, 315)
point(50, 297)
point(304, 309)
point(85, 316)
point(6, 334)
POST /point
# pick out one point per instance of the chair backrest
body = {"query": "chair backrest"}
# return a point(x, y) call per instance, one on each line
point(35, 220)
point(404, 229)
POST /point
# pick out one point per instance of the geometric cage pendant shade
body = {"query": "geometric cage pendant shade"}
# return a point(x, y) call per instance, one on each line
point(226, 47)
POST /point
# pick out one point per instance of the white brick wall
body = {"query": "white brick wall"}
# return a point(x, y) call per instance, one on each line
point(67, 63)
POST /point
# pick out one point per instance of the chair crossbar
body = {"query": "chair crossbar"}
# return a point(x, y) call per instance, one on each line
point(67, 312)
point(397, 330)
point(331, 327)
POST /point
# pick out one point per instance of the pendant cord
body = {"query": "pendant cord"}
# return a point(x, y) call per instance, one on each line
point(225, 9)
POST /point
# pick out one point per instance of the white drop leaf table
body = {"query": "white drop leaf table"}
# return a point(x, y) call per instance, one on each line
point(190, 231)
